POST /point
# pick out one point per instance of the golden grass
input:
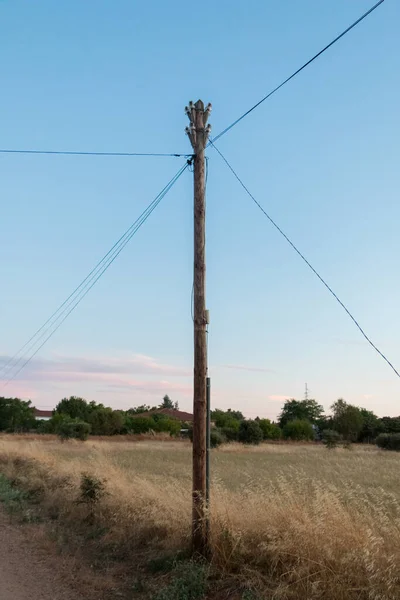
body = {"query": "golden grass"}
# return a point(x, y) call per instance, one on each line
point(291, 522)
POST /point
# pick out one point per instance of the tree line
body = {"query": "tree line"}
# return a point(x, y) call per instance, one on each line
point(299, 420)
point(75, 417)
point(305, 420)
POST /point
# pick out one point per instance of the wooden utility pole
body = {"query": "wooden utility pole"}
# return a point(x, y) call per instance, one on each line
point(198, 133)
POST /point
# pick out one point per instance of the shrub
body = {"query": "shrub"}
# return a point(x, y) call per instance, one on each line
point(331, 438)
point(231, 433)
point(73, 429)
point(216, 438)
point(299, 430)
point(189, 582)
point(139, 424)
point(250, 432)
point(271, 431)
point(227, 418)
point(106, 421)
point(91, 491)
point(166, 424)
point(383, 440)
point(388, 441)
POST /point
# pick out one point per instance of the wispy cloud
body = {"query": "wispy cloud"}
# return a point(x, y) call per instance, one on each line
point(136, 375)
point(89, 368)
point(251, 369)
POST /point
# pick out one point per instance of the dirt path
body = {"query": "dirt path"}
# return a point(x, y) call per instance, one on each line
point(27, 571)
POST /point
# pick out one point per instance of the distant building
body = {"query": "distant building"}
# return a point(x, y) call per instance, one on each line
point(43, 415)
point(179, 415)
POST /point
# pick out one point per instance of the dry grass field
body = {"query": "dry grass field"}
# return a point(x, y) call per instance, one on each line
point(288, 521)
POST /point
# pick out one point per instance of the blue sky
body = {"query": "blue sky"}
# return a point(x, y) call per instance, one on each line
point(321, 156)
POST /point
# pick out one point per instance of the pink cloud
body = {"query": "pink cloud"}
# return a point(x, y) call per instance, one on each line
point(247, 368)
point(67, 368)
point(278, 398)
point(47, 380)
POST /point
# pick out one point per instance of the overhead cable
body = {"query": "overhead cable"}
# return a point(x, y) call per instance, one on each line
point(321, 279)
point(84, 153)
point(47, 330)
point(298, 71)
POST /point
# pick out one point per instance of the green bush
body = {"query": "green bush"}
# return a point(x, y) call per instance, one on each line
point(163, 423)
point(139, 424)
point(91, 491)
point(383, 440)
point(231, 433)
point(331, 438)
point(106, 421)
point(271, 431)
point(298, 430)
point(250, 432)
point(216, 438)
point(73, 429)
point(388, 441)
point(189, 582)
point(226, 418)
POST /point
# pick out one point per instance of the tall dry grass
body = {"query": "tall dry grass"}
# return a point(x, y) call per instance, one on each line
point(289, 522)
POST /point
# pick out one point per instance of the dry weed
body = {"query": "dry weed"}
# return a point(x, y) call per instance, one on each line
point(291, 522)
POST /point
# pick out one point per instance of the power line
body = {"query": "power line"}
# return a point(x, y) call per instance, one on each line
point(87, 279)
point(84, 153)
point(86, 285)
point(138, 223)
point(298, 70)
point(246, 189)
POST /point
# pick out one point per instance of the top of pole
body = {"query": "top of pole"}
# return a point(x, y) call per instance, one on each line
point(198, 130)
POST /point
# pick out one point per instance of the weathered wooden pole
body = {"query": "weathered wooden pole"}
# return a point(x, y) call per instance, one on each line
point(198, 133)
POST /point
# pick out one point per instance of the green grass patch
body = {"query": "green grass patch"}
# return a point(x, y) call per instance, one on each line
point(188, 582)
point(13, 499)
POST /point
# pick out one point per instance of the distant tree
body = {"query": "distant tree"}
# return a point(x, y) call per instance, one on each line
point(76, 408)
point(139, 424)
point(298, 430)
point(16, 415)
point(140, 409)
point(271, 431)
point(347, 419)
point(371, 428)
point(323, 423)
point(331, 438)
point(308, 410)
point(235, 414)
point(390, 424)
point(388, 441)
point(167, 403)
point(106, 421)
point(166, 425)
point(226, 418)
point(250, 432)
point(339, 408)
